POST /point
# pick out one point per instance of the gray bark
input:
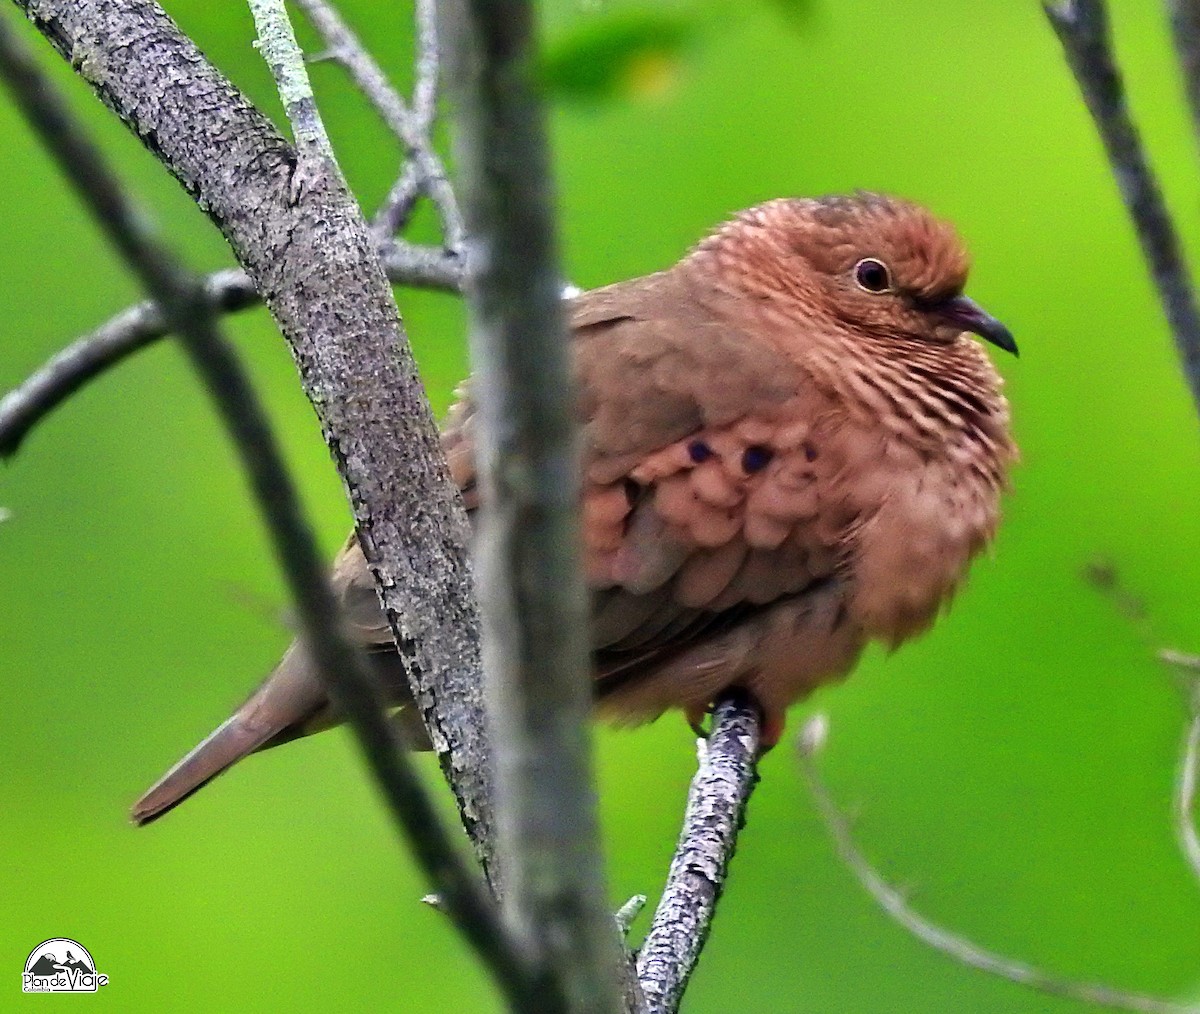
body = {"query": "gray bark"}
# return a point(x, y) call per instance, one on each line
point(301, 239)
point(534, 604)
point(715, 813)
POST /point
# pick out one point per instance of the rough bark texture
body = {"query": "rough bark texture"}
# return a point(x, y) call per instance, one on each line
point(300, 237)
point(715, 810)
point(528, 547)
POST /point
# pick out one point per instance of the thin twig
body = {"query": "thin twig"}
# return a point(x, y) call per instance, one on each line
point(628, 912)
point(1103, 576)
point(1185, 31)
point(527, 548)
point(408, 125)
point(277, 43)
point(425, 91)
point(133, 329)
point(1082, 28)
point(1189, 774)
point(187, 309)
point(715, 811)
point(345, 48)
point(396, 209)
point(958, 948)
point(422, 266)
point(1187, 784)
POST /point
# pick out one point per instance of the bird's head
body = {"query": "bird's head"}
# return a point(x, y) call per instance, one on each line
point(878, 265)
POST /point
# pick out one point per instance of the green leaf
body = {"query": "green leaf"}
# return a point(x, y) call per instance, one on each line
point(631, 53)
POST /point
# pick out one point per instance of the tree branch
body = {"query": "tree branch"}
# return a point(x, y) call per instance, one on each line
point(1189, 774)
point(133, 329)
point(308, 251)
point(428, 60)
point(142, 324)
point(715, 813)
point(186, 308)
point(1185, 31)
point(1082, 28)
point(411, 126)
point(1187, 783)
point(954, 946)
point(527, 543)
point(279, 48)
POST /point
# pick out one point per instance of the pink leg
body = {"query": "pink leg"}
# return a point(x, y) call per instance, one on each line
point(695, 715)
point(773, 724)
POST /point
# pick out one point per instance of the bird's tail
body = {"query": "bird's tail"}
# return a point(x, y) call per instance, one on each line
point(291, 702)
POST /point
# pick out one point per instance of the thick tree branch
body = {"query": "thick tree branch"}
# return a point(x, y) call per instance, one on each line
point(225, 291)
point(309, 252)
point(1082, 28)
point(187, 309)
point(527, 543)
point(956, 947)
point(715, 813)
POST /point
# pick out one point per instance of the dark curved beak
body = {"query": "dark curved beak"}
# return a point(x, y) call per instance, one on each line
point(970, 316)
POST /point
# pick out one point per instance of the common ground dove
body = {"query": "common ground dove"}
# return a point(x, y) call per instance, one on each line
point(791, 448)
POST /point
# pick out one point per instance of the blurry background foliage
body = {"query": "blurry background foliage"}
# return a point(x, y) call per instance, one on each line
point(1013, 768)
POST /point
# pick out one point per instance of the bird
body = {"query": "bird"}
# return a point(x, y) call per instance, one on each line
point(793, 446)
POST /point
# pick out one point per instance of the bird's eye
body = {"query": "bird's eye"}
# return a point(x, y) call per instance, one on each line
point(872, 275)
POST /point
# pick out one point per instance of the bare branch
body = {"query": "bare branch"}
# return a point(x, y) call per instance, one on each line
point(312, 257)
point(410, 126)
point(535, 609)
point(956, 947)
point(1082, 28)
point(426, 90)
point(716, 807)
point(277, 43)
point(114, 341)
point(187, 309)
point(1188, 778)
point(1185, 30)
point(225, 291)
point(393, 213)
point(1185, 799)
point(422, 266)
point(628, 912)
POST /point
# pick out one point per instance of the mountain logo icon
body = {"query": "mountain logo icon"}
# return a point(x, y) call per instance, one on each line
point(61, 965)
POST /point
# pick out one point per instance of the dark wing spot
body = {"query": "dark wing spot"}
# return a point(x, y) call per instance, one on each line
point(756, 457)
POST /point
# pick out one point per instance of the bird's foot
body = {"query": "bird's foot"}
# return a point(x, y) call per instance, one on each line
point(771, 724)
point(771, 731)
point(695, 715)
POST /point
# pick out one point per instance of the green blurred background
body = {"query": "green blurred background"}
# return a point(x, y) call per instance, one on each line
point(1013, 769)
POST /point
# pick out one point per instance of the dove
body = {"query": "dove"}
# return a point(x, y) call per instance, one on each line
point(792, 446)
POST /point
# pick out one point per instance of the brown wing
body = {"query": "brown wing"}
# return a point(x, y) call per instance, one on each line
point(701, 474)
